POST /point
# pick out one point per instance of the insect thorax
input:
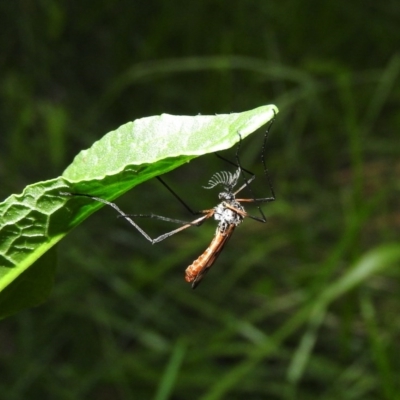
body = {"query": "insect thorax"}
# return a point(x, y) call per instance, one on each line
point(227, 216)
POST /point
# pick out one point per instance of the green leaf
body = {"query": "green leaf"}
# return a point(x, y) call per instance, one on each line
point(34, 221)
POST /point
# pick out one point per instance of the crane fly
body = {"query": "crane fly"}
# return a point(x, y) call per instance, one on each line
point(229, 213)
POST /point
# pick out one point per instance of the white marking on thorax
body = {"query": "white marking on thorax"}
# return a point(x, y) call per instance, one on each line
point(226, 216)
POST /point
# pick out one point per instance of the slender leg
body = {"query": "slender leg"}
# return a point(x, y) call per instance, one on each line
point(248, 181)
point(266, 172)
point(206, 214)
point(178, 198)
point(155, 216)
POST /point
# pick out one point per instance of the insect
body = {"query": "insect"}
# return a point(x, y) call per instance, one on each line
point(229, 213)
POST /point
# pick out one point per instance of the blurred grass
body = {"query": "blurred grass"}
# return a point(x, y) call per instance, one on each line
point(283, 314)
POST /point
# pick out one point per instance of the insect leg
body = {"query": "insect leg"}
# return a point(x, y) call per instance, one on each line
point(185, 225)
point(178, 198)
point(248, 181)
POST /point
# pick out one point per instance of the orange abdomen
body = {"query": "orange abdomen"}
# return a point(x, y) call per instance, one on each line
point(200, 266)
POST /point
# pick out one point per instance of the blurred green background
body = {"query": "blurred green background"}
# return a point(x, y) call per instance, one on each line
point(274, 319)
